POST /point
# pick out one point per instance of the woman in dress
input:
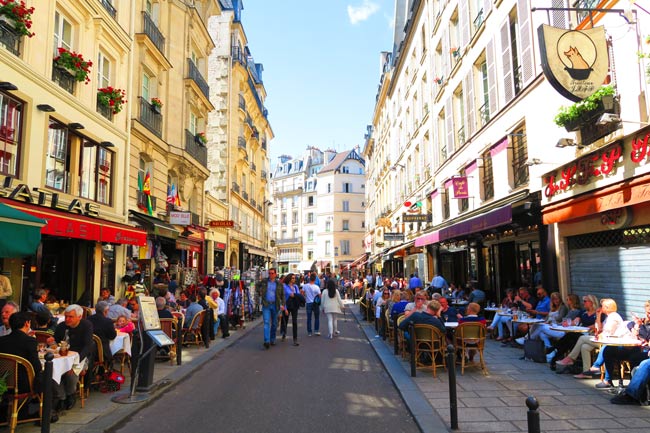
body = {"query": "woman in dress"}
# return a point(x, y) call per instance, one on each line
point(331, 305)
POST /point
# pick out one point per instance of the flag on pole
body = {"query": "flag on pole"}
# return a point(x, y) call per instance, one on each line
point(177, 197)
point(170, 194)
point(146, 189)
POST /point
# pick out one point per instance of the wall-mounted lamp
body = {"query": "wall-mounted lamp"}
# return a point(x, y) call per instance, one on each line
point(394, 167)
point(6, 85)
point(76, 125)
point(567, 142)
point(106, 144)
point(46, 108)
point(615, 118)
point(533, 161)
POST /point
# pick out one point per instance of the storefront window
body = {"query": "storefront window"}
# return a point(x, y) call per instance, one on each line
point(108, 267)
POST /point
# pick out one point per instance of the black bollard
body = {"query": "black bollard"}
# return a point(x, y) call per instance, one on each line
point(395, 337)
point(453, 400)
point(179, 343)
point(412, 349)
point(47, 393)
point(533, 415)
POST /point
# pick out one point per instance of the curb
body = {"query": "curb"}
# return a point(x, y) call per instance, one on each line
point(416, 402)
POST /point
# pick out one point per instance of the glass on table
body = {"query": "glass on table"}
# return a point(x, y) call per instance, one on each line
point(41, 347)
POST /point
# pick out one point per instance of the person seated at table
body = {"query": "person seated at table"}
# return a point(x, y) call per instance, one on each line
point(398, 307)
point(183, 300)
point(79, 333)
point(105, 295)
point(395, 297)
point(639, 329)
point(635, 391)
point(457, 292)
point(506, 304)
point(429, 317)
point(119, 309)
point(134, 307)
point(475, 294)
point(523, 301)
point(19, 343)
point(613, 325)
point(103, 327)
point(161, 307)
point(7, 310)
point(192, 310)
point(45, 323)
point(38, 306)
point(418, 305)
point(471, 314)
point(548, 309)
point(125, 325)
point(447, 313)
point(587, 318)
point(559, 313)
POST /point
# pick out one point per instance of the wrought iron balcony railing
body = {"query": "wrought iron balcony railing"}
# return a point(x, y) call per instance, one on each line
point(150, 29)
point(149, 118)
point(194, 147)
point(195, 75)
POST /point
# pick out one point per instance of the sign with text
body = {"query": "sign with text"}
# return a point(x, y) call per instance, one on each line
point(180, 218)
point(227, 223)
point(460, 187)
point(416, 218)
point(394, 237)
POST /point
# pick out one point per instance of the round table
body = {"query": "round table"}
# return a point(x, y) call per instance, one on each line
point(451, 325)
point(121, 342)
point(62, 364)
point(616, 341)
point(459, 303)
point(580, 329)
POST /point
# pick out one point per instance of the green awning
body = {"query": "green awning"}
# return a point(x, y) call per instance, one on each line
point(20, 232)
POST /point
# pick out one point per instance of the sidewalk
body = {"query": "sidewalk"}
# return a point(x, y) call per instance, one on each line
point(496, 403)
point(100, 413)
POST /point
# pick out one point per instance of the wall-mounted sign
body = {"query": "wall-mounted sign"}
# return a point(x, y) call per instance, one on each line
point(460, 187)
point(180, 218)
point(227, 223)
point(575, 62)
point(416, 218)
point(394, 237)
point(616, 218)
point(220, 246)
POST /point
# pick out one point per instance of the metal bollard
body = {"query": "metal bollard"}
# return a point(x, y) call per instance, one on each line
point(453, 400)
point(47, 393)
point(533, 415)
point(179, 344)
point(412, 349)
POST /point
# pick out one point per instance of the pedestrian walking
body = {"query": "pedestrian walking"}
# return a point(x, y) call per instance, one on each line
point(312, 293)
point(271, 293)
point(293, 299)
point(331, 305)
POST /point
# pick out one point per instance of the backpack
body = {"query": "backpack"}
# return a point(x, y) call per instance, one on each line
point(535, 350)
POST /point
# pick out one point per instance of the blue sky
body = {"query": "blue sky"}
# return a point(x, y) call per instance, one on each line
point(321, 67)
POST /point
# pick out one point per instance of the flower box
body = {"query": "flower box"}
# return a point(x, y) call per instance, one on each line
point(587, 111)
point(201, 139)
point(17, 15)
point(112, 98)
point(74, 63)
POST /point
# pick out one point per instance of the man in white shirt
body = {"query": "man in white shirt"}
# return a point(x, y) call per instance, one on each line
point(310, 291)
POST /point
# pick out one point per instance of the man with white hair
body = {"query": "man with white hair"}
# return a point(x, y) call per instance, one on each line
point(8, 309)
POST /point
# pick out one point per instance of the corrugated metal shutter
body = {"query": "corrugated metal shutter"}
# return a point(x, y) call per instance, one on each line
point(620, 272)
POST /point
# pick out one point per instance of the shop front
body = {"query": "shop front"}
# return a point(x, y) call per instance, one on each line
point(599, 208)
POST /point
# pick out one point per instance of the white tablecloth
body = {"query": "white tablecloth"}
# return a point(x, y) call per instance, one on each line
point(62, 364)
point(451, 324)
point(122, 341)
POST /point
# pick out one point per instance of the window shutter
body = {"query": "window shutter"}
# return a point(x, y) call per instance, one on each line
point(527, 54)
point(487, 5)
point(506, 60)
point(463, 12)
point(469, 104)
point(449, 126)
point(492, 79)
point(446, 69)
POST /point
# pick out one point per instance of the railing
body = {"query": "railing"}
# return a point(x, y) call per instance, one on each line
point(235, 187)
point(109, 8)
point(150, 29)
point(253, 202)
point(194, 147)
point(461, 135)
point(288, 241)
point(149, 118)
point(238, 55)
point(478, 20)
point(259, 208)
point(9, 38)
point(195, 75)
point(241, 142)
point(142, 200)
point(242, 102)
point(244, 194)
point(105, 111)
point(263, 173)
point(63, 78)
point(484, 113)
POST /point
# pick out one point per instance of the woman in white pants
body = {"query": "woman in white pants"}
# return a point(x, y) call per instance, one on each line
point(331, 305)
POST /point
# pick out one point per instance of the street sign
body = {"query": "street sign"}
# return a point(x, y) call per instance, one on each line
point(394, 237)
point(416, 218)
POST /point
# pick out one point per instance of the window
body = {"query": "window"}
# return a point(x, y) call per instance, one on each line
point(294, 217)
point(488, 176)
point(284, 219)
point(519, 157)
point(62, 33)
point(146, 84)
point(95, 172)
point(103, 71)
point(345, 247)
point(310, 200)
point(346, 225)
point(310, 218)
point(57, 160)
point(193, 127)
point(310, 236)
point(484, 110)
point(445, 204)
point(346, 206)
point(295, 234)
point(345, 169)
point(328, 248)
point(284, 234)
point(347, 187)
point(328, 226)
point(310, 254)
point(11, 111)
point(363, 224)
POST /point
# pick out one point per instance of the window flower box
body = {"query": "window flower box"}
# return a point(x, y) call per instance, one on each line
point(74, 63)
point(156, 105)
point(587, 111)
point(111, 98)
point(201, 138)
point(17, 15)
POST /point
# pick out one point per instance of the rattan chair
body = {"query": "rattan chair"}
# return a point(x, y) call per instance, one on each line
point(401, 339)
point(97, 371)
point(389, 326)
point(169, 327)
point(11, 365)
point(470, 336)
point(123, 358)
point(430, 341)
point(195, 330)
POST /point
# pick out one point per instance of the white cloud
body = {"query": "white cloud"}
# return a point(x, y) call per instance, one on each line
point(361, 13)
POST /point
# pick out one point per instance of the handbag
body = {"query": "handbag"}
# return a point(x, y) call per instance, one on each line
point(317, 300)
point(300, 299)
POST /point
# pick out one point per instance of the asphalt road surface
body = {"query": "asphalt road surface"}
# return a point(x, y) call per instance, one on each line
point(322, 385)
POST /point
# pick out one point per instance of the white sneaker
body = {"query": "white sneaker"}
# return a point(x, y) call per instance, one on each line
point(520, 341)
point(317, 333)
point(337, 332)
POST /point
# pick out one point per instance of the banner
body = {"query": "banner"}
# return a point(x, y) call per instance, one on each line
point(460, 187)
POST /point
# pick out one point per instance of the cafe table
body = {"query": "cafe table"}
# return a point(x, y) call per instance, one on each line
point(451, 325)
point(458, 302)
point(121, 342)
point(616, 341)
point(526, 321)
point(62, 364)
point(569, 329)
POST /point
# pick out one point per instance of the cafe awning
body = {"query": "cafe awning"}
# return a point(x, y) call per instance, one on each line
point(358, 260)
point(154, 225)
point(400, 247)
point(21, 232)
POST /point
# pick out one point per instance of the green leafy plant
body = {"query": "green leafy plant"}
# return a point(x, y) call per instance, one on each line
point(20, 14)
point(202, 138)
point(3, 382)
point(75, 63)
point(574, 112)
point(156, 102)
point(112, 98)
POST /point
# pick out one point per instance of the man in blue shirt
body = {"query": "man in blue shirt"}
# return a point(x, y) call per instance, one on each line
point(543, 306)
point(476, 295)
point(271, 294)
point(439, 284)
point(415, 282)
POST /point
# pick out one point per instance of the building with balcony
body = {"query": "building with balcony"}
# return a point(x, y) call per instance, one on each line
point(238, 132)
point(462, 144)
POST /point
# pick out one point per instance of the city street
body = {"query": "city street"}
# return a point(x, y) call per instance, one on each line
point(321, 386)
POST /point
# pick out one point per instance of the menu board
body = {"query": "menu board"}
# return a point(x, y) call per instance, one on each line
point(149, 313)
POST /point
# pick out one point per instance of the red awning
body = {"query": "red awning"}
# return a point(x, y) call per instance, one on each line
point(70, 225)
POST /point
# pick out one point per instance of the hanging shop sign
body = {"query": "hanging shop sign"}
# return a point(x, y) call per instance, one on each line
point(460, 187)
point(416, 218)
point(394, 237)
point(226, 223)
point(180, 218)
point(575, 62)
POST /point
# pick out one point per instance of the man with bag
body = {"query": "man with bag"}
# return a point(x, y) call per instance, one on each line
point(271, 294)
point(312, 299)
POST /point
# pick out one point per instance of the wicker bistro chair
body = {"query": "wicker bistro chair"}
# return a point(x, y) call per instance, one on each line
point(97, 371)
point(389, 326)
point(11, 365)
point(401, 338)
point(195, 329)
point(169, 327)
point(430, 341)
point(180, 317)
point(470, 336)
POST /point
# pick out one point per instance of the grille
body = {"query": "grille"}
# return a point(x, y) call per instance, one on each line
point(631, 236)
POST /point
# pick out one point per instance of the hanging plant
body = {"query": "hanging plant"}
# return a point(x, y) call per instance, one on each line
point(111, 98)
point(570, 116)
point(74, 63)
point(18, 15)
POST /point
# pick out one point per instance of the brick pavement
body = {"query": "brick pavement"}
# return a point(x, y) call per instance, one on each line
point(496, 402)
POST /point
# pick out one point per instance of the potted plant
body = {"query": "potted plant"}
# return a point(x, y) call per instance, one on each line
point(587, 110)
point(156, 104)
point(17, 15)
point(438, 80)
point(455, 52)
point(112, 98)
point(201, 138)
point(74, 63)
